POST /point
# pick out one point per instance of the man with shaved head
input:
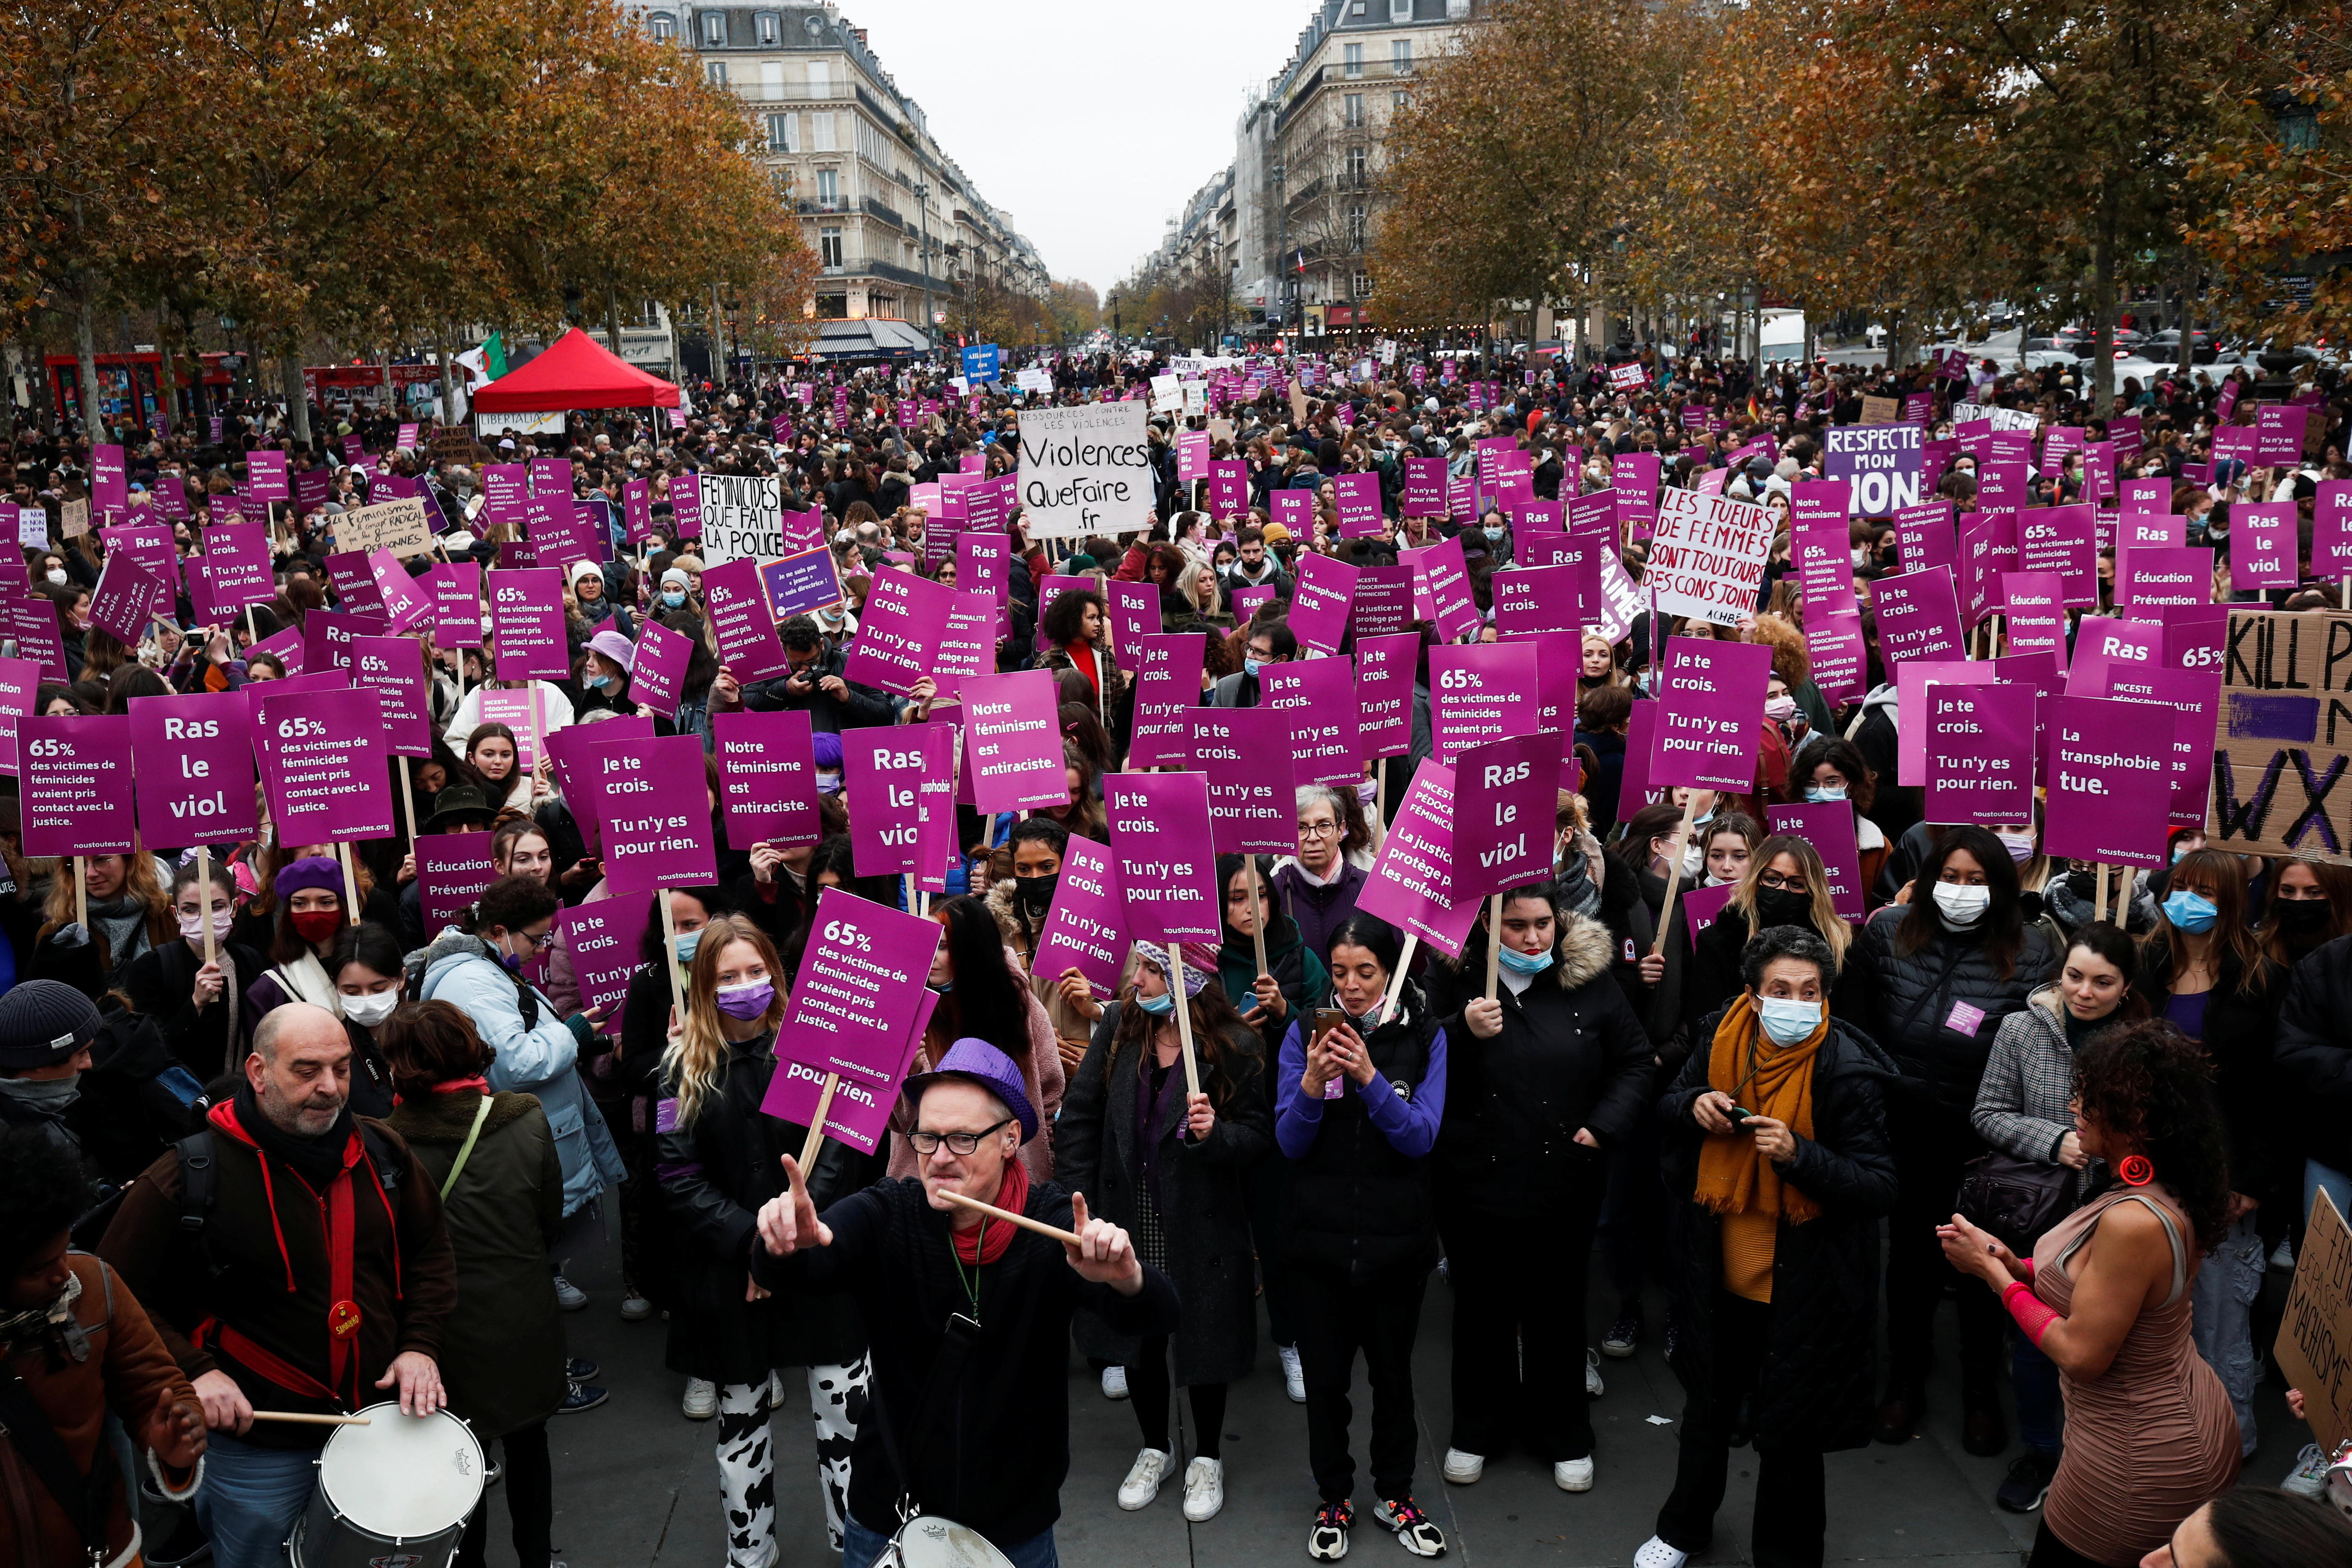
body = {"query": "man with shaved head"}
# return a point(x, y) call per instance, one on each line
point(294, 1258)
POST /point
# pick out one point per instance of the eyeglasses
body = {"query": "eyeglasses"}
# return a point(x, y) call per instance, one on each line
point(1773, 881)
point(542, 941)
point(927, 1143)
point(1318, 829)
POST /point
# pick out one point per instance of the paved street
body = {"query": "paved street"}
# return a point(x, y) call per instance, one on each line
point(636, 1484)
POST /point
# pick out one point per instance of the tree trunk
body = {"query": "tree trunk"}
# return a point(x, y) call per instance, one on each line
point(86, 354)
point(447, 405)
point(167, 400)
point(2103, 334)
point(2188, 322)
point(298, 402)
point(612, 321)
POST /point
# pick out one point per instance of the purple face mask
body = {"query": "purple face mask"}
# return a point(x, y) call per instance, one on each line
point(748, 1001)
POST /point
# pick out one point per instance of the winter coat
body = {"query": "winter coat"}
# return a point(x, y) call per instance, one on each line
point(828, 714)
point(503, 1356)
point(1942, 1052)
point(1298, 972)
point(2313, 1057)
point(1817, 1384)
point(2239, 1035)
point(161, 983)
point(1570, 1056)
point(1319, 912)
point(1606, 779)
point(2021, 1106)
point(715, 1171)
point(1711, 977)
point(536, 1056)
point(1202, 1214)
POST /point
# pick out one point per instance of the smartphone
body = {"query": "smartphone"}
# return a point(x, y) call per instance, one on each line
point(1327, 1019)
point(1738, 1115)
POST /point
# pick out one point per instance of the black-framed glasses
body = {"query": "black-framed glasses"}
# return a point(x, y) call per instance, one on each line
point(1773, 882)
point(927, 1143)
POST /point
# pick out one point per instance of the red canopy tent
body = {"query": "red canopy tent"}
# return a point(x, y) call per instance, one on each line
point(576, 372)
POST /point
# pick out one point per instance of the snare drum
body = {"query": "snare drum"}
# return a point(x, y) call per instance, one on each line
point(395, 1493)
point(927, 1540)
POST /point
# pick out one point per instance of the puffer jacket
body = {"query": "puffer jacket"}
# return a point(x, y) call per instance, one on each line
point(1940, 1008)
point(536, 1056)
point(1571, 1055)
point(2314, 1056)
point(1817, 1382)
point(2021, 1103)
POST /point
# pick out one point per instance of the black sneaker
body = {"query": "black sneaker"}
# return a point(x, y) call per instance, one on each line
point(1415, 1531)
point(185, 1546)
point(580, 1369)
point(1328, 1540)
point(1625, 1333)
point(579, 1396)
point(2028, 1482)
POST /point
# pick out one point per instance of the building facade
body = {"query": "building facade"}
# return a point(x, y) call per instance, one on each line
point(899, 229)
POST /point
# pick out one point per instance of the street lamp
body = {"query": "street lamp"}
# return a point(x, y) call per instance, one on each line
point(1281, 246)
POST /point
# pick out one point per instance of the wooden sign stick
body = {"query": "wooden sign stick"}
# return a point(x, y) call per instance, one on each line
point(1184, 1018)
point(815, 1138)
point(1494, 938)
point(350, 882)
point(204, 884)
point(1674, 877)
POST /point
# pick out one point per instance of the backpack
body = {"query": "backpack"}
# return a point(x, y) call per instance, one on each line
point(413, 968)
point(200, 1183)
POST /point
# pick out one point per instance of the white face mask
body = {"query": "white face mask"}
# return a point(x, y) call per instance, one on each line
point(2018, 844)
point(57, 576)
point(1962, 907)
point(367, 1012)
point(192, 926)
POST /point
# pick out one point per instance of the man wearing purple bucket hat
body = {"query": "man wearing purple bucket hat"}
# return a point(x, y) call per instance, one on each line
point(969, 1314)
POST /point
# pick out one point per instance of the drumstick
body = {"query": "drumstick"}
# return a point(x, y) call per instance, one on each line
point(1023, 1220)
point(310, 1420)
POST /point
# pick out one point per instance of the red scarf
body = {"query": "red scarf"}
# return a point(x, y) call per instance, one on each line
point(987, 1244)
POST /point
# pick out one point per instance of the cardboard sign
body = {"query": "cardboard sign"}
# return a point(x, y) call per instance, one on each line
point(453, 869)
point(897, 637)
point(74, 785)
point(1318, 698)
point(1245, 754)
point(527, 624)
point(1411, 885)
point(1167, 689)
point(800, 583)
point(2318, 1324)
point(1883, 463)
point(1085, 927)
point(2108, 794)
point(1829, 827)
point(1707, 559)
point(1483, 692)
point(127, 596)
point(653, 815)
point(403, 527)
point(1320, 602)
point(1086, 470)
point(1159, 838)
point(767, 778)
point(861, 994)
point(2283, 736)
point(740, 626)
point(1918, 617)
point(1505, 796)
point(883, 769)
point(1012, 741)
point(604, 938)
point(741, 518)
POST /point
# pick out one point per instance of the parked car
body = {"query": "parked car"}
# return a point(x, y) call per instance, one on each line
point(2166, 346)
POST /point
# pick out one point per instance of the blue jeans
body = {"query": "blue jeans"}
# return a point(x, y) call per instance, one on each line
point(2222, 1300)
point(2041, 1413)
point(251, 1499)
point(860, 1548)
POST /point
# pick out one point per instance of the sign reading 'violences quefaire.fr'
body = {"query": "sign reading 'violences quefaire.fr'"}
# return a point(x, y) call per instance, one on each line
point(1086, 470)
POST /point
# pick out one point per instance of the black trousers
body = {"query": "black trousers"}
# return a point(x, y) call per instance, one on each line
point(1930, 1146)
point(2049, 1552)
point(1519, 1329)
point(1379, 1317)
point(1791, 1515)
point(530, 1503)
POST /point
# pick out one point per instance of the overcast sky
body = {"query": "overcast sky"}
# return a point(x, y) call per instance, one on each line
point(1089, 120)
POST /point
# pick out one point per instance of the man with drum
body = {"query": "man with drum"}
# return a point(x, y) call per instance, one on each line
point(295, 1260)
point(969, 1314)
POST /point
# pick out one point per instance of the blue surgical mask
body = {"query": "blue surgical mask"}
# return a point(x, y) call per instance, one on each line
point(1494, 533)
point(1520, 962)
point(2191, 912)
point(1159, 1006)
point(598, 682)
point(1787, 1020)
point(1824, 792)
point(1251, 666)
point(686, 943)
point(674, 598)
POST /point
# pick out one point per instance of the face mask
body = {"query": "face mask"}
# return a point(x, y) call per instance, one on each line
point(55, 576)
point(1693, 861)
point(686, 943)
point(2191, 912)
point(1251, 667)
point(1494, 532)
point(1036, 893)
point(367, 1012)
point(1782, 709)
point(598, 682)
point(193, 926)
point(2299, 917)
point(1159, 1006)
point(1960, 906)
point(318, 925)
point(1520, 962)
point(510, 962)
point(1784, 907)
point(2018, 844)
point(1787, 1020)
point(1824, 792)
point(674, 598)
point(745, 1001)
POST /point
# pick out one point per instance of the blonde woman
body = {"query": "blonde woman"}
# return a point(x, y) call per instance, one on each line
point(718, 1158)
point(130, 914)
point(1785, 885)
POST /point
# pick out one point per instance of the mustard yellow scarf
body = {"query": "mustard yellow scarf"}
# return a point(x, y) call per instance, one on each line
point(1774, 1081)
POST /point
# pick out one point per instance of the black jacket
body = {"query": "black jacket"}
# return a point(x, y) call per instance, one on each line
point(1355, 1204)
point(161, 983)
point(2314, 1057)
point(1919, 996)
point(715, 1171)
point(1000, 1448)
point(2241, 1028)
point(805, 693)
point(1711, 978)
point(1817, 1382)
point(1571, 1055)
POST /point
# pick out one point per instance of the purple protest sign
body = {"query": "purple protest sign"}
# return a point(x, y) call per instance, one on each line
point(1989, 547)
point(109, 488)
point(2331, 529)
point(266, 477)
point(20, 685)
point(1228, 488)
point(1384, 676)
point(2035, 602)
point(404, 606)
point(741, 624)
point(2150, 577)
point(527, 630)
point(1918, 617)
point(899, 635)
point(237, 566)
point(1541, 601)
point(1134, 616)
point(1821, 543)
point(457, 591)
point(1085, 927)
point(1320, 601)
point(76, 785)
point(1441, 587)
point(686, 506)
point(1383, 603)
point(2278, 439)
point(127, 596)
point(1411, 885)
point(855, 1111)
point(604, 939)
point(324, 762)
point(1359, 500)
point(653, 815)
point(1160, 842)
point(2194, 696)
point(1633, 477)
point(1482, 692)
point(1504, 798)
point(2063, 540)
point(1840, 658)
point(453, 869)
point(1424, 488)
point(393, 668)
point(1247, 602)
point(1166, 688)
point(1828, 825)
point(800, 583)
point(1318, 696)
point(883, 768)
point(2150, 528)
point(2262, 552)
point(1012, 741)
point(1710, 715)
point(1924, 536)
point(2108, 795)
point(767, 778)
point(1980, 753)
point(657, 671)
point(984, 563)
point(1245, 754)
point(862, 992)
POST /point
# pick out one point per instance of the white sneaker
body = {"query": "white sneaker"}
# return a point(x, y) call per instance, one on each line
point(1142, 1483)
point(1594, 1387)
point(635, 1309)
point(775, 1389)
point(2284, 1256)
point(1463, 1470)
point(1113, 1383)
point(1204, 1488)
point(1294, 1380)
point(1573, 1474)
point(702, 1401)
point(1656, 1554)
point(568, 1296)
point(2309, 1477)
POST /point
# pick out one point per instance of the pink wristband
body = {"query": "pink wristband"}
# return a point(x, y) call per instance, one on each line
point(2033, 1314)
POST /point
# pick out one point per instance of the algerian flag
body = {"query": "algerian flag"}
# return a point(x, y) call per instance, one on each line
point(486, 361)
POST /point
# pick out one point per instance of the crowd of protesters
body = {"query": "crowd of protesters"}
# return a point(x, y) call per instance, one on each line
point(1769, 1132)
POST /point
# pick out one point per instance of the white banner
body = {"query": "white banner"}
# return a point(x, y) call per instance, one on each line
point(1707, 558)
point(1086, 470)
point(743, 514)
point(487, 425)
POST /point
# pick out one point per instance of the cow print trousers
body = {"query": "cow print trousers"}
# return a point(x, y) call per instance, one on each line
point(747, 1481)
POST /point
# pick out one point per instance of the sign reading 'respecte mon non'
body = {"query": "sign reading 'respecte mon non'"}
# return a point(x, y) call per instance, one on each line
point(1086, 470)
